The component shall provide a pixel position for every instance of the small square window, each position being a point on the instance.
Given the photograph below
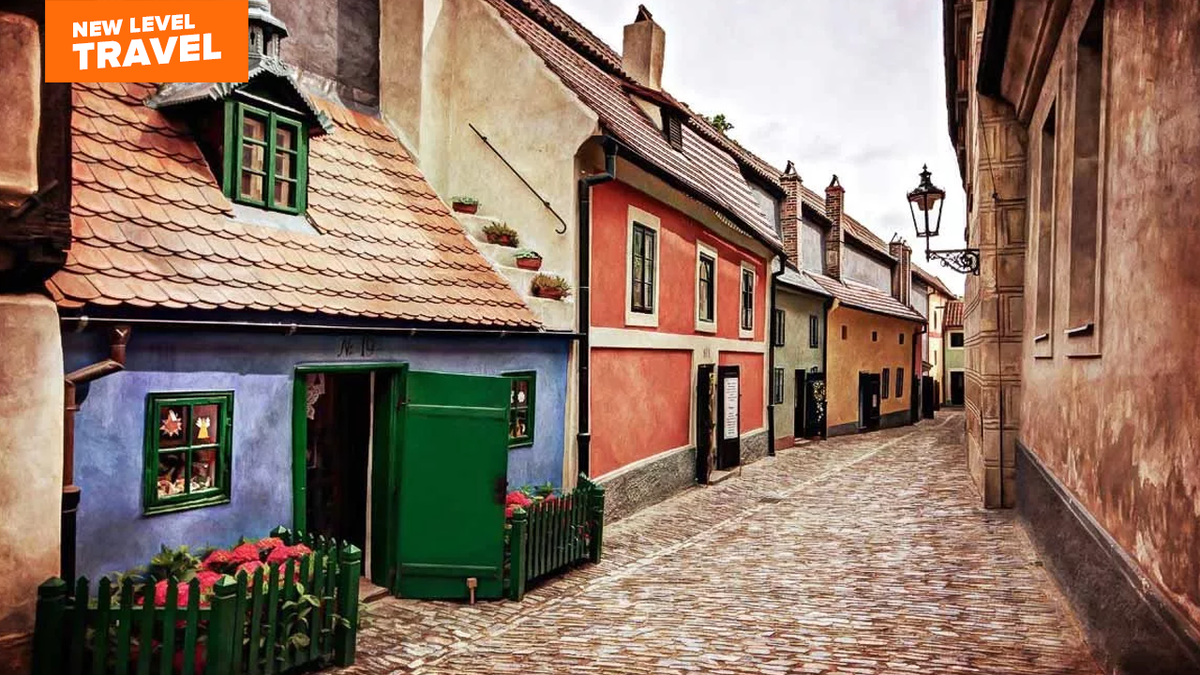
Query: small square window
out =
(521, 408)
(187, 451)
(777, 386)
(956, 340)
(885, 382)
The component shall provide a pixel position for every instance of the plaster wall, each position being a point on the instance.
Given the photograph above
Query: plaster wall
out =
(865, 269)
(934, 341)
(767, 204)
(641, 405)
(113, 533)
(476, 71)
(812, 247)
(919, 298)
(31, 433)
(1113, 416)
(859, 353)
(796, 354)
(955, 358)
(336, 39)
(21, 97)
(751, 403)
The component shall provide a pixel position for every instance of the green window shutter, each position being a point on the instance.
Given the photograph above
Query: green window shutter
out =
(522, 408)
(188, 451)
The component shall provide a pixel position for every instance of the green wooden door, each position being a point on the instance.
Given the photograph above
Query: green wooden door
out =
(453, 463)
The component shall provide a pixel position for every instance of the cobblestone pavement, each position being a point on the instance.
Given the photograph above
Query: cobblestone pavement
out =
(861, 555)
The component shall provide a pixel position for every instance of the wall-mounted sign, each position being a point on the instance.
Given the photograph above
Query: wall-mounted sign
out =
(730, 403)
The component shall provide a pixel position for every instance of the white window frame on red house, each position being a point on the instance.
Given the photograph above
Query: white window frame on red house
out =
(703, 249)
(743, 333)
(651, 221)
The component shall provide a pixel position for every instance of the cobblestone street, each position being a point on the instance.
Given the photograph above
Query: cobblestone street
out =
(863, 554)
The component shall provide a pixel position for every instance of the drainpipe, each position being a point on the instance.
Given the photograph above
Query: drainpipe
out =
(917, 365)
(118, 337)
(584, 305)
(771, 365)
(825, 365)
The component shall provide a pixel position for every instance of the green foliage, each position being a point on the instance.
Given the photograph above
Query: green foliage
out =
(469, 201)
(544, 491)
(501, 233)
(527, 254)
(719, 123)
(177, 563)
(551, 282)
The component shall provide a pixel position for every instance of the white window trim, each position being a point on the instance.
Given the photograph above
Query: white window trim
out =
(701, 325)
(651, 221)
(956, 332)
(742, 332)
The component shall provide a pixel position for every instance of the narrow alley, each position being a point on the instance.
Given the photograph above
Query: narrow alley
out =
(865, 554)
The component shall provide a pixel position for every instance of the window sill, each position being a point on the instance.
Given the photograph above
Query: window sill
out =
(745, 334)
(641, 320)
(517, 445)
(706, 326)
(1085, 330)
(160, 509)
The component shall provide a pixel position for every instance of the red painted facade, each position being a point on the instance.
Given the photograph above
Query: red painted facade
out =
(642, 390)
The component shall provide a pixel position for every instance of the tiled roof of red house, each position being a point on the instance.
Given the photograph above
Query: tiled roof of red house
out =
(954, 314)
(152, 228)
(593, 72)
(861, 296)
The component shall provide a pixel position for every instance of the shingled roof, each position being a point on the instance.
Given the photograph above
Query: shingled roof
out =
(592, 70)
(868, 298)
(954, 314)
(152, 228)
(933, 281)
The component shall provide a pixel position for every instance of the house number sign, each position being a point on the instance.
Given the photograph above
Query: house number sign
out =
(730, 397)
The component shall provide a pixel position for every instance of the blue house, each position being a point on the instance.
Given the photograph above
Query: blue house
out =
(270, 318)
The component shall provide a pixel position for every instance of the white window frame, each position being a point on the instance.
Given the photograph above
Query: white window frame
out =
(651, 221)
(742, 332)
(703, 326)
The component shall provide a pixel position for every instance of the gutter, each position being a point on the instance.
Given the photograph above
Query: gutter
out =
(584, 304)
(118, 337)
(291, 328)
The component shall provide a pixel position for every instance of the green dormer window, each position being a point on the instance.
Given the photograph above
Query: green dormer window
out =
(269, 165)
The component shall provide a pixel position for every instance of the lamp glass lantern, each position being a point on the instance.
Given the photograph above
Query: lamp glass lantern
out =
(925, 198)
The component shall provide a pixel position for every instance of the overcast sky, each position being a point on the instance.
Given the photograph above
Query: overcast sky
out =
(852, 87)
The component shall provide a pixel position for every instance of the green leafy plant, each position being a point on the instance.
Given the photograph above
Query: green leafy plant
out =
(501, 233)
(550, 286)
(719, 123)
(465, 201)
(174, 563)
(527, 254)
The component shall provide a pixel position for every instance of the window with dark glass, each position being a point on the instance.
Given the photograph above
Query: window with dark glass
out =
(747, 300)
(844, 331)
(1084, 224)
(673, 130)
(899, 383)
(902, 338)
(874, 336)
(642, 280)
(707, 291)
(270, 164)
(521, 408)
(778, 328)
(956, 340)
(777, 386)
(187, 446)
(885, 382)
(814, 331)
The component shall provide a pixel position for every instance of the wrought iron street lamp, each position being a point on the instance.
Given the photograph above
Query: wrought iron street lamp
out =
(925, 198)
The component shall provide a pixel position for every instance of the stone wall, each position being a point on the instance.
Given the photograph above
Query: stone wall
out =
(629, 491)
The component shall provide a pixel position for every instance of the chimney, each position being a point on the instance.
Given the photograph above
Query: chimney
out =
(789, 214)
(835, 197)
(20, 82)
(902, 271)
(642, 55)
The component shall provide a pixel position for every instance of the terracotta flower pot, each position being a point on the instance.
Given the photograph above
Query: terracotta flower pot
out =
(549, 293)
(529, 263)
(500, 240)
(465, 208)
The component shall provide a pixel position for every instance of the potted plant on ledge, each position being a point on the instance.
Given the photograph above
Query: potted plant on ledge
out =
(465, 204)
(501, 233)
(528, 259)
(550, 286)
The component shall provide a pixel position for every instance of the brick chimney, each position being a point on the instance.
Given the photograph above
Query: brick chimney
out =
(642, 53)
(901, 271)
(21, 71)
(835, 202)
(789, 213)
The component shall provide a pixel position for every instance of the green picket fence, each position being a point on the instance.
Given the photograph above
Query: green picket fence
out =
(281, 618)
(549, 537)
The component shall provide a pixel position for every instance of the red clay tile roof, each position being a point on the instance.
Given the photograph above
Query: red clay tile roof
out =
(592, 70)
(860, 296)
(153, 230)
(954, 314)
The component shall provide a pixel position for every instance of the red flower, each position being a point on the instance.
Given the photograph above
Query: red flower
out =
(217, 560)
(249, 568)
(160, 594)
(550, 497)
(201, 658)
(268, 543)
(207, 580)
(244, 554)
(508, 511)
(517, 498)
(284, 553)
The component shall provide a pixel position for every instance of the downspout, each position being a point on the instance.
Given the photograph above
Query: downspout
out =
(918, 364)
(584, 305)
(771, 366)
(825, 365)
(118, 337)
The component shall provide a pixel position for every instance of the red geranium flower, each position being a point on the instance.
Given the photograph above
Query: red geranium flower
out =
(517, 498)
(207, 580)
(244, 554)
(217, 560)
(268, 543)
(160, 594)
(249, 568)
(284, 553)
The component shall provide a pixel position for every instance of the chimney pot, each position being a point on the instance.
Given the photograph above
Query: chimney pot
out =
(642, 52)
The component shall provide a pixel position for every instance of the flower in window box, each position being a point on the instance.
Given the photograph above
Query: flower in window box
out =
(501, 234)
(528, 259)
